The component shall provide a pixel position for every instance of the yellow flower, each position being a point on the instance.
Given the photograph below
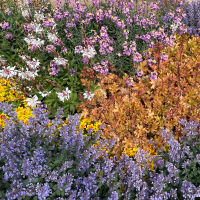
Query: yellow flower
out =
(99, 173)
(152, 152)
(89, 126)
(3, 117)
(23, 114)
(131, 152)
(82, 125)
(151, 164)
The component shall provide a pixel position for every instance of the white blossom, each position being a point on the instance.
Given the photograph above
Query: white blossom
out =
(8, 72)
(89, 52)
(28, 88)
(25, 13)
(64, 94)
(44, 94)
(28, 75)
(33, 64)
(52, 37)
(88, 95)
(37, 28)
(32, 101)
(39, 16)
(60, 61)
(174, 27)
(30, 40)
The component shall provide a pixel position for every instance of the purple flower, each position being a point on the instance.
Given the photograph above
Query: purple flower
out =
(43, 191)
(137, 57)
(139, 73)
(5, 26)
(50, 48)
(153, 76)
(9, 36)
(102, 68)
(72, 72)
(78, 49)
(85, 60)
(130, 82)
(8, 12)
(99, 15)
(28, 28)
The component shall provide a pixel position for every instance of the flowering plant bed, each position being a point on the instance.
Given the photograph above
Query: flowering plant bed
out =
(99, 101)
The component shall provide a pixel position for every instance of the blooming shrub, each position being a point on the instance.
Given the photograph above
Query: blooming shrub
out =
(135, 111)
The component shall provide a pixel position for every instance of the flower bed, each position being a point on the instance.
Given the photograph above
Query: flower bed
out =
(101, 101)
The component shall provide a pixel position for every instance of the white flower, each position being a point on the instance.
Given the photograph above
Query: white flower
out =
(44, 94)
(34, 64)
(8, 72)
(25, 13)
(32, 101)
(89, 52)
(88, 95)
(28, 88)
(28, 75)
(52, 37)
(174, 27)
(25, 57)
(60, 61)
(32, 41)
(1, 59)
(64, 94)
(39, 16)
(38, 29)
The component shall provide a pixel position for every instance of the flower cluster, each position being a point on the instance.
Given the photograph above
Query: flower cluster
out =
(69, 165)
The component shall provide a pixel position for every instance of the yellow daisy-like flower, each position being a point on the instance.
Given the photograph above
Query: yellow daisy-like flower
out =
(7, 94)
(131, 152)
(151, 164)
(89, 126)
(152, 152)
(23, 114)
(3, 117)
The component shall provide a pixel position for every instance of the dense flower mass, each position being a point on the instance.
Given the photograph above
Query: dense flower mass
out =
(54, 59)
(39, 150)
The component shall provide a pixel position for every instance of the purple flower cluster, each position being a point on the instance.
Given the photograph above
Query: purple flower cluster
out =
(50, 48)
(105, 42)
(101, 67)
(54, 68)
(29, 28)
(5, 25)
(9, 36)
(192, 18)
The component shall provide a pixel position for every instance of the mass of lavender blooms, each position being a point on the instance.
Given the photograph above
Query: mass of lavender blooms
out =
(41, 162)
(33, 165)
(192, 19)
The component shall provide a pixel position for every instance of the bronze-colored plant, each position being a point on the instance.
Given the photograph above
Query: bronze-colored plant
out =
(134, 114)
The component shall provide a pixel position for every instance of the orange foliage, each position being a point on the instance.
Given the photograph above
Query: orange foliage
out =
(135, 114)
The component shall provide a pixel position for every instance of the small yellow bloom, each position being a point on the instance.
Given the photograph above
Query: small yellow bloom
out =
(151, 164)
(57, 144)
(3, 117)
(152, 152)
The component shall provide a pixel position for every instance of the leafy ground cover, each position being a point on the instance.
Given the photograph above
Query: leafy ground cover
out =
(99, 101)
